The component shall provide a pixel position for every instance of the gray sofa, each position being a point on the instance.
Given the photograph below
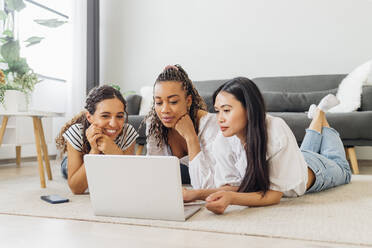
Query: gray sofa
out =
(289, 98)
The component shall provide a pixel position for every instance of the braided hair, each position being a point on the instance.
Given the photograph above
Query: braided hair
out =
(95, 96)
(178, 74)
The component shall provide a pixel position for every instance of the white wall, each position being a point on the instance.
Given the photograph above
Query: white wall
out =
(217, 39)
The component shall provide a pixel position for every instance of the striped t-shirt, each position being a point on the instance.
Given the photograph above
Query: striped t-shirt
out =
(74, 136)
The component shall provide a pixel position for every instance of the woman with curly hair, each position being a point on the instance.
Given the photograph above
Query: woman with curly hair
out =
(100, 129)
(179, 125)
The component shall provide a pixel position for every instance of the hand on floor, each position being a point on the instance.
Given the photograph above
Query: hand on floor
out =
(218, 202)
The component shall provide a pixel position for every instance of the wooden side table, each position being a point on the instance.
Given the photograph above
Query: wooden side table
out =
(41, 146)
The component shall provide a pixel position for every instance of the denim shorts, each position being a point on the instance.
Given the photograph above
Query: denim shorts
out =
(325, 155)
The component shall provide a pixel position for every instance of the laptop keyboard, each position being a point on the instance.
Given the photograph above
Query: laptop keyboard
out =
(190, 210)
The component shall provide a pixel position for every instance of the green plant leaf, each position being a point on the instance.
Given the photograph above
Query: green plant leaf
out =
(19, 66)
(16, 5)
(10, 51)
(6, 72)
(3, 15)
(8, 33)
(3, 40)
(115, 86)
(51, 23)
(33, 40)
(127, 93)
(26, 82)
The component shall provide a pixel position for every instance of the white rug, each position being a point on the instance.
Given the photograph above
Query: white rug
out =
(341, 215)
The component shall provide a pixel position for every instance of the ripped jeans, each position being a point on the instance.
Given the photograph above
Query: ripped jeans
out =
(325, 155)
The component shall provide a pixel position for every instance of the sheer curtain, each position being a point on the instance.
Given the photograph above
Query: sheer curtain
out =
(77, 84)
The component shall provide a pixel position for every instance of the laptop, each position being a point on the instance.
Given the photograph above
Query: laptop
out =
(147, 187)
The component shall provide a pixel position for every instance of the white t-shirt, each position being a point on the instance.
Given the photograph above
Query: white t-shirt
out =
(287, 166)
(201, 168)
(74, 135)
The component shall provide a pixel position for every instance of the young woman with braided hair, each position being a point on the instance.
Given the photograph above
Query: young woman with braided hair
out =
(179, 125)
(100, 129)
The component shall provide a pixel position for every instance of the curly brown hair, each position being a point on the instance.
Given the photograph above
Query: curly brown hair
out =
(178, 74)
(95, 96)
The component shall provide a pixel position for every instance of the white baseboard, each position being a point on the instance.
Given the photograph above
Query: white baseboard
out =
(364, 152)
(29, 150)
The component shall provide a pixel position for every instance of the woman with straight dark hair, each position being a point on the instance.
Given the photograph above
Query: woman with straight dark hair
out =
(264, 162)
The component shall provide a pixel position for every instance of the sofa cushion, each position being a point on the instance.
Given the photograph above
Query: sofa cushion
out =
(133, 104)
(208, 87)
(293, 101)
(299, 83)
(366, 104)
(288, 101)
(353, 126)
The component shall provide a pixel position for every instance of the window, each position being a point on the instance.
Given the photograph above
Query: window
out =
(52, 56)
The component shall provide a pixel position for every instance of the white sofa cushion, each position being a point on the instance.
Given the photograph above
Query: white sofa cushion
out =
(350, 89)
(146, 101)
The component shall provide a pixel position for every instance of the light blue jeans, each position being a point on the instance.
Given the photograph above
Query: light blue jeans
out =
(325, 155)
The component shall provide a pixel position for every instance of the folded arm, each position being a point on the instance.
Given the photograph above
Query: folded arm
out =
(219, 201)
(77, 178)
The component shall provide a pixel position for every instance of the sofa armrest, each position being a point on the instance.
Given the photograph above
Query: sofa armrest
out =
(366, 101)
(133, 104)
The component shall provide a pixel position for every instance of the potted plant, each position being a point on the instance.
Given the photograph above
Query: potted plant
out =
(17, 79)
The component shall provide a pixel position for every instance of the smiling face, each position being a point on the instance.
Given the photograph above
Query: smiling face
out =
(171, 102)
(109, 116)
(231, 115)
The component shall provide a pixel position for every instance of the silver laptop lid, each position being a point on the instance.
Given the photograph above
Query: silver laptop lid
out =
(135, 186)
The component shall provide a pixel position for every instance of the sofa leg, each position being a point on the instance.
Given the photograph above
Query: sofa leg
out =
(350, 154)
(139, 150)
(18, 156)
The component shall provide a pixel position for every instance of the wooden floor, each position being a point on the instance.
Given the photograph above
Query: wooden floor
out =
(23, 231)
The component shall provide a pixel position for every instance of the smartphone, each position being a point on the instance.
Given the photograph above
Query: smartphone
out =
(54, 199)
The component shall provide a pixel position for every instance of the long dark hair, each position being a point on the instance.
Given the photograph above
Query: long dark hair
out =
(256, 178)
(95, 96)
(178, 74)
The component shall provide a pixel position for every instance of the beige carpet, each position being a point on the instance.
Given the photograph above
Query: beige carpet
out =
(341, 215)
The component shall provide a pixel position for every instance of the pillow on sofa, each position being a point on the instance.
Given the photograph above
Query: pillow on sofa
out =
(369, 79)
(350, 89)
(293, 101)
(146, 101)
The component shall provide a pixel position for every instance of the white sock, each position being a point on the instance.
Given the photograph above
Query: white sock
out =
(328, 102)
(311, 112)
